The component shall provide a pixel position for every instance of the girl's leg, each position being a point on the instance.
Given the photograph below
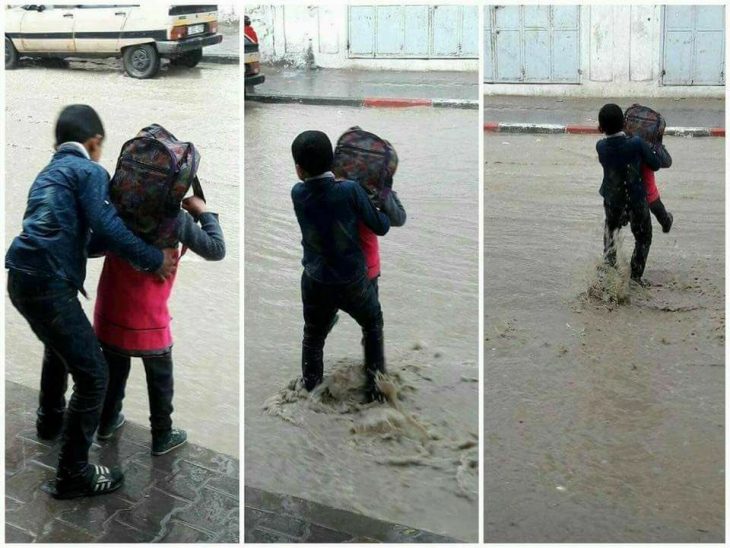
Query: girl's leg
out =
(158, 370)
(119, 367)
(662, 215)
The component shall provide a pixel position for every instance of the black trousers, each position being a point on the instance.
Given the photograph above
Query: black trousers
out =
(52, 308)
(158, 370)
(321, 303)
(640, 221)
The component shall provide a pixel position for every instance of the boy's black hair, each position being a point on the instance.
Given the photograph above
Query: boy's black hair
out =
(312, 151)
(611, 119)
(78, 123)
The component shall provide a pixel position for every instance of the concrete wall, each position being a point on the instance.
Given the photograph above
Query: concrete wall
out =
(318, 35)
(620, 55)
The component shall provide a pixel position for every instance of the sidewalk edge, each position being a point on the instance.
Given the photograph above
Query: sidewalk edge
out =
(577, 129)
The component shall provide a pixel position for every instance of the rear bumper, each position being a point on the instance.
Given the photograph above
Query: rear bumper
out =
(255, 80)
(172, 48)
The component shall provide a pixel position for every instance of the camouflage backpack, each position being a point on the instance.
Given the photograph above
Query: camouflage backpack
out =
(367, 159)
(153, 174)
(644, 122)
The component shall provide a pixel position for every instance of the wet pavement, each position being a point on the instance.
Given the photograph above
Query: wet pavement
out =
(205, 300)
(188, 495)
(681, 112)
(279, 518)
(369, 83)
(604, 422)
(230, 47)
(413, 462)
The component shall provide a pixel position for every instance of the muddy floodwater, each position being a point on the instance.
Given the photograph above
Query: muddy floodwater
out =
(604, 421)
(200, 105)
(412, 461)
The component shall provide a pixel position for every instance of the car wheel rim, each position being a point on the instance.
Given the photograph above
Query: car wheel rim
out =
(140, 60)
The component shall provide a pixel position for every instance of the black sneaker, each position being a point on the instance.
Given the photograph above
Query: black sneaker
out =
(667, 226)
(107, 431)
(95, 480)
(47, 428)
(164, 443)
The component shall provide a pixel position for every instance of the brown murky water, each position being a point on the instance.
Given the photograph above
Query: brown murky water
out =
(205, 300)
(413, 461)
(603, 422)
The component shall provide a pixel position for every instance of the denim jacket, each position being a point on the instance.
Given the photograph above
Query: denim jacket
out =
(621, 157)
(328, 213)
(67, 201)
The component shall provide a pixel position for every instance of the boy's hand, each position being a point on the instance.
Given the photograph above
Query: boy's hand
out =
(169, 263)
(194, 205)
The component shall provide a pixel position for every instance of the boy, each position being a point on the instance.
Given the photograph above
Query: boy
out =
(335, 274)
(47, 267)
(622, 187)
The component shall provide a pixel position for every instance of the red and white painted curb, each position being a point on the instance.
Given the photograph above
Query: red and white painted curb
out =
(576, 129)
(370, 102)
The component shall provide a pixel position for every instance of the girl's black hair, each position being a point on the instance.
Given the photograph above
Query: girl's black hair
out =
(78, 123)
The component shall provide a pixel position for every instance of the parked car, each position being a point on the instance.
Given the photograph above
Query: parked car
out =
(251, 56)
(141, 34)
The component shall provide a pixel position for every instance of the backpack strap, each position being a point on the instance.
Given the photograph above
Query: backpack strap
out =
(198, 189)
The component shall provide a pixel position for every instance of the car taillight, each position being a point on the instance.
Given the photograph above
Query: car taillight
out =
(178, 33)
(213, 27)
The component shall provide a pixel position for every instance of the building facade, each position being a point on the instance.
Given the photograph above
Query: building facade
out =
(392, 37)
(602, 50)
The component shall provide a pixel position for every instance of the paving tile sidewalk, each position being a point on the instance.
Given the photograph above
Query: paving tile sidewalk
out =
(271, 517)
(369, 83)
(684, 112)
(189, 495)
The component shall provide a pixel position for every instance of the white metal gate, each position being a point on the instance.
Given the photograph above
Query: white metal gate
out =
(532, 44)
(694, 45)
(419, 32)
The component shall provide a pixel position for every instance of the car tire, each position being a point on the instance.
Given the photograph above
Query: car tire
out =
(189, 59)
(11, 54)
(141, 61)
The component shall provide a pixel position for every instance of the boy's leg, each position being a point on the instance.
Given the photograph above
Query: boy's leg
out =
(54, 312)
(52, 397)
(611, 226)
(641, 229)
(361, 301)
(662, 215)
(111, 418)
(319, 316)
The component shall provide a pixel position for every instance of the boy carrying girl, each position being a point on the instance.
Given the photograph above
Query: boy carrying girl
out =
(623, 188)
(335, 273)
(68, 201)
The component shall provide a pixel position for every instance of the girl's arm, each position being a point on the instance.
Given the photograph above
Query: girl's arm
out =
(394, 209)
(205, 240)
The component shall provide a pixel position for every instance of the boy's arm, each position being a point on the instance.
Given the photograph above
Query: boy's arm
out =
(648, 156)
(665, 160)
(93, 196)
(205, 240)
(393, 208)
(375, 220)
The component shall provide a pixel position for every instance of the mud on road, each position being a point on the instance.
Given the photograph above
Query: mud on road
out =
(603, 422)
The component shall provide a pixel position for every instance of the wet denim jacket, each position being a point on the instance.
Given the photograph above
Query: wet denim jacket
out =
(621, 157)
(328, 213)
(68, 200)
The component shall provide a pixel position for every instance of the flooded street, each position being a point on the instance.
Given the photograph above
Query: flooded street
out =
(603, 422)
(412, 462)
(199, 105)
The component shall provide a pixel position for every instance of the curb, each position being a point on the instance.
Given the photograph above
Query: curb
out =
(370, 102)
(575, 129)
(222, 59)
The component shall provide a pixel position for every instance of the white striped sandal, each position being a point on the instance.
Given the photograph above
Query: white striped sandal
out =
(95, 480)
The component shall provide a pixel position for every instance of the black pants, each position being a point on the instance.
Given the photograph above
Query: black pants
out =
(158, 370)
(52, 308)
(640, 221)
(321, 303)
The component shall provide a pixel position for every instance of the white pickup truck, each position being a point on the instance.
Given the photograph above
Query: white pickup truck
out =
(141, 34)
